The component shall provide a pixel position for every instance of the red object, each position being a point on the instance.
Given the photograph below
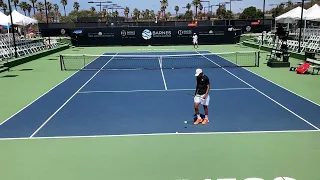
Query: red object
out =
(303, 68)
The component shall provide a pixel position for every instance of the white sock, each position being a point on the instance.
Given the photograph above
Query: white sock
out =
(198, 116)
(206, 116)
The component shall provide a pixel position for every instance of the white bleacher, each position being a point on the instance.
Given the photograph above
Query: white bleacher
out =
(23, 46)
(310, 40)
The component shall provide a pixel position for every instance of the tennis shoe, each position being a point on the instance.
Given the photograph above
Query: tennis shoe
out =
(199, 120)
(205, 121)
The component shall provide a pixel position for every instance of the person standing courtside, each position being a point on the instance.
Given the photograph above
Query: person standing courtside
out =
(195, 40)
(201, 95)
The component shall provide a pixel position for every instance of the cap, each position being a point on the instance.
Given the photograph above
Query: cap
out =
(198, 71)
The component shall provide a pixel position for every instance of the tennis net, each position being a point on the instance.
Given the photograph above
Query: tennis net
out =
(138, 62)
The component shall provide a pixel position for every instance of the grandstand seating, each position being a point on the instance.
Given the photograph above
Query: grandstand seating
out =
(24, 46)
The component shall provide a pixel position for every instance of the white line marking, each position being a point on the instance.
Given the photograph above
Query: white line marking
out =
(160, 90)
(264, 95)
(164, 80)
(71, 97)
(43, 95)
(162, 134)
(276, 83)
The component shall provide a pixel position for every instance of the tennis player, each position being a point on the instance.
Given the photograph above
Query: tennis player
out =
(201, 96)
(195, 40)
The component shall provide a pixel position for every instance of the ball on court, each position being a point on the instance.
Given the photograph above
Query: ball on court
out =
(186, 122)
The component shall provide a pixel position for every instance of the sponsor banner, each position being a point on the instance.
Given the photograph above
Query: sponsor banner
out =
(101, 34)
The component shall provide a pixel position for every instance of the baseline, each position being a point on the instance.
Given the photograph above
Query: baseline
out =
(161, 134)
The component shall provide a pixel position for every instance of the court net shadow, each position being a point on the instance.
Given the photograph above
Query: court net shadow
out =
(9, 76)
(26, 70)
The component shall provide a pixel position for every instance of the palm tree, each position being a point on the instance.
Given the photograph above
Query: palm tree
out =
(76, 6)
(56, 10)
(64, 4)
(196, 3)
(126, 12)
(115, 14)
(49, 6)
(136, 13)
(40, 7)
(164, 5)
(104, 13)
(188, 6)
(147, 13)
(15, 2)
(29, 8)
(33, 2)
(4, 7)
(176, 8)
(152, 14)
(92, 10)
(23, 5)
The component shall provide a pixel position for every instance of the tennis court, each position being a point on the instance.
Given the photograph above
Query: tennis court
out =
(137, 94)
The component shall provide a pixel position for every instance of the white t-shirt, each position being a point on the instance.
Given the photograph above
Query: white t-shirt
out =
(195, 38)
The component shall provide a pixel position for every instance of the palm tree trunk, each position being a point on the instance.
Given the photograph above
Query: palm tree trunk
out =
(65, 13)
(34, 9)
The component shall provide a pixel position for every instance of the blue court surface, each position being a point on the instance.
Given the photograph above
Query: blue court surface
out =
(128, 102)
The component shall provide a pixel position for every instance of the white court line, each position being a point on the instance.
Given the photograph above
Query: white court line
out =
(160, 90)
(264, 94)
(164, 80)
(43, 94)
(71, 97)
(160, 134)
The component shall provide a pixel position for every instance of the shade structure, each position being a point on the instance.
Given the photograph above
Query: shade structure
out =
(312, 13)
(291, 16)
(4, 19)
(21, 20)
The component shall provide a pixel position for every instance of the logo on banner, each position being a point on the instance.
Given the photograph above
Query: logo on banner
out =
(146, 34)
(184, 32)
(123, 33)
(248, 28)
(63, 31)
(128, 33)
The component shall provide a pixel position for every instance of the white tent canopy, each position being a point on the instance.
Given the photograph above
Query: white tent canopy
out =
(21, 20)
(4, 20)
(290, 16)
(312, 13)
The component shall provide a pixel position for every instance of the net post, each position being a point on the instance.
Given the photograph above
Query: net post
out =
(61, 59)
(258, 60)
(237, 59)
(84, 61)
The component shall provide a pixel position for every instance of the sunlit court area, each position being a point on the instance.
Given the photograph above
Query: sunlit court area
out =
(160, 90)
